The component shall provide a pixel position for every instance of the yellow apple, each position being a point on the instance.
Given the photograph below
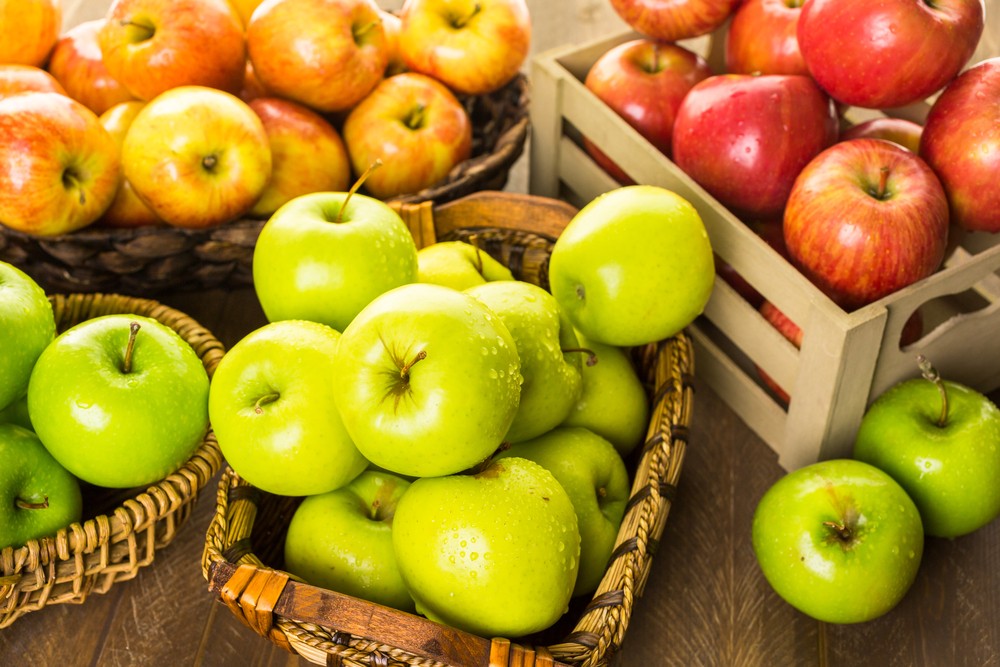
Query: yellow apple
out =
(392, 25)
(16, 79)
(127, 210)
(77, 64)
(28, 30)
(245, 8)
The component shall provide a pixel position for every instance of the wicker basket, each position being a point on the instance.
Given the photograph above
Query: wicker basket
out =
(243, 548)
(152, 260)
(121, 529)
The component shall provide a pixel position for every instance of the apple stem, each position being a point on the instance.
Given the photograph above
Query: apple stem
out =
(602, 492)
(70, 180)
(357, 184)
(591, 355)
(133, 330)
(258, 407)
(28, 505)
(210, 162)
(883, 180)
(931, 375)
(141, 31)
(404, 371)
(415, 119)
(461, 21)
(363, 30)
(840, 530)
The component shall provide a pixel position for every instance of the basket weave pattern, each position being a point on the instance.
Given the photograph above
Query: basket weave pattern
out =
(129, 525)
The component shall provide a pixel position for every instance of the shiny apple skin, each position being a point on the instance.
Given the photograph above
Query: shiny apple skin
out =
(762, 38)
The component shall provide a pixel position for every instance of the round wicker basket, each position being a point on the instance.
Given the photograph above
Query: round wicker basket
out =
(152, 260)
(121, 529)
(242, 558)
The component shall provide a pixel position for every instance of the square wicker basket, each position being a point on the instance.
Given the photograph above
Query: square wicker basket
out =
(244, 542)
(122, 529)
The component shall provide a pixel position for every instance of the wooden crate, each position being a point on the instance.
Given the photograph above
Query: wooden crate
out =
(847, 358)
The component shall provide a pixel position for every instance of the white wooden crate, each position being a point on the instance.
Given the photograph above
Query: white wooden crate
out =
(847, 358)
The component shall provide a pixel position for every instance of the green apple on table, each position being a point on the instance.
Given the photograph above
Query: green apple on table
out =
(27, 326)
(431, 380)
(550, 354)
(37, 495)
(458, 265)
(941, 441)
(342, 540)
(839, 540)
(272, 407)
(324, 256)
(594, 476)
(494, 553)
(633, 266)
(119, 400)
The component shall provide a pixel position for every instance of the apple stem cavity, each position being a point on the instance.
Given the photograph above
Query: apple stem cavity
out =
(28, 505)
(133, 330)
(415, 119)
(931, 375)
(138, 32)
(841, 531)
(591, 355)
(258, 407)
(883, 180)
(360, 32)
(459, 22)
(71, 180)
(357, 185)
(404, 370)
(210, 162)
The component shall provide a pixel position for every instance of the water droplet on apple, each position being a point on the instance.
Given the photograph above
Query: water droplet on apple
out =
(561, 547)
(493, 350)
(484, 351)
(912, 554)
(493, 374)
(895, 551)
(473, 574)
(473, 556)
(502, 374)
(463, 544)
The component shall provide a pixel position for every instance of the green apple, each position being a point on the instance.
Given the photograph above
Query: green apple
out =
(614, 403)
(432, 380)
(633, 266)
(594, 476)
(321, 259)
(271, 405)
(37, 495)
(839, 540)
(119, 400)
(459, 265)
(941, 441)
(495, 553)
(27, 326)
(17, 413)
(548, 349)
(342, 540)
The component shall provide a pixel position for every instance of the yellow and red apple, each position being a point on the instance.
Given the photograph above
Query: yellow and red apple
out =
(28, 30)
(127, 210)
(78, 65)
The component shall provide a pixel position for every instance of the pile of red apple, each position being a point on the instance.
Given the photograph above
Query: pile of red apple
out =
(194, 113)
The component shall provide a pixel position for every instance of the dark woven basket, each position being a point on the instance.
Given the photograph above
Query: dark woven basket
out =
(121, 529)
(242, 559)
(153, 260)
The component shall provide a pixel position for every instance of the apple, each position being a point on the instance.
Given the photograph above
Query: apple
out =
(39, 495)
(28, 30)
(904, 132)
(252, 87)
(672, 20)
(325, 256)
(472, 46)
(550, 354)
(889, 54)
(392, 25)
(961, 143)
(77, 63)
(342, 540)
(307, 154)
(613, 403)
(941, 441)
(633, 266)
(197, 156)
(272, 407)
(27, 326)
(127, 209)
(416, 126)
(245, 8)
(16, 79)
(151, 46)
(745, 138)
(594, 476)
(839, 540)
(60, 167)
(432, 380)
(17, 413)
(644, 82)
(119, 400)
(458, 265)
(325, 54)
(762, 38)
(495, 553)
(866, 218)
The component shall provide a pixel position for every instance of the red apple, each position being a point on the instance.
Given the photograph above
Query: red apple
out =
(15, 79)
(415, 126)
(961, 142)
(671, 20)
(393, 26)
(151, 46)
(326, 54)
(59, 168)
(745, 138)
(473, 46)
(307, 154)
(904, 132)
(771, 232)
(127, 210)
(761, 38)
(865, 218)
(28, 30)
(644, 82)
(78, 65)
(890, 53)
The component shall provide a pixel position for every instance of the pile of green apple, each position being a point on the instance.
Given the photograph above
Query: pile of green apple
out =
(459, 436)
(116, 401)
(193, 113)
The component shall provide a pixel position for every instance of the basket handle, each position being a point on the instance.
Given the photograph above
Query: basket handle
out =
(255, 594)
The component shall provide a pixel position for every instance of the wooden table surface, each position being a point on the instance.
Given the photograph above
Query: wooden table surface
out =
(706, 602)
